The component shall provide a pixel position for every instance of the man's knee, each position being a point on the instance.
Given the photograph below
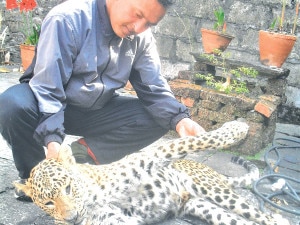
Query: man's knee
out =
(16, 102)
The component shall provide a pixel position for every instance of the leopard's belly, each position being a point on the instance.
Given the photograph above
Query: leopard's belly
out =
(150, 197)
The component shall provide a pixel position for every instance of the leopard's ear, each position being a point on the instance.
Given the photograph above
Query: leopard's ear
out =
(65, 155)
(26, 188)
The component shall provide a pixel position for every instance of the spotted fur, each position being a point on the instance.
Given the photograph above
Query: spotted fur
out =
(145, 187)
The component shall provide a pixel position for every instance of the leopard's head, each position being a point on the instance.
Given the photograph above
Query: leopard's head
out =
(56, 187)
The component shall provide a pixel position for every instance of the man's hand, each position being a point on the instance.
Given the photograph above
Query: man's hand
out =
(188, 127)
(52, 150)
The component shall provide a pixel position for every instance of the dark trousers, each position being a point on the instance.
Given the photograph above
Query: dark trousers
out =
(120, 128)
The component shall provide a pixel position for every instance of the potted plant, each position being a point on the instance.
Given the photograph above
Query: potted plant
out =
(231, 78)
(30, 29)
(276, 44)
(216, 38)
(27, 49)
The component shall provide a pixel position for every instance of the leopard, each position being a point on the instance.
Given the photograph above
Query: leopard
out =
(148, 186)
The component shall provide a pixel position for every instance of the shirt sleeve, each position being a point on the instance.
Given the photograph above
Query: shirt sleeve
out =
(55, 54)
(153, 89)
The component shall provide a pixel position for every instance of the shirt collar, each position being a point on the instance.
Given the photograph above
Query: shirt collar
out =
(104, 18)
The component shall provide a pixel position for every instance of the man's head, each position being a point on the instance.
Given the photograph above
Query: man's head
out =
(131, 17)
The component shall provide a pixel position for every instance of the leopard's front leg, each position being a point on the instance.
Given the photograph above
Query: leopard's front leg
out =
(113, 215)
(120, 220)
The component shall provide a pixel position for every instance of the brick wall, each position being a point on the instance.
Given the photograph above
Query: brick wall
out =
(211, 109)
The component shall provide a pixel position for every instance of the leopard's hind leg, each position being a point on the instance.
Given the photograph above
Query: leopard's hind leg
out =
(213, 186)
(212, 213)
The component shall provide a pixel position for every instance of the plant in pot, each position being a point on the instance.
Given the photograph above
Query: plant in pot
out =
(230, 79)
(216, 38)
(276, 44)
(30, 29)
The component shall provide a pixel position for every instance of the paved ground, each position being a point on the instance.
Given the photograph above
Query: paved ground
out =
(13, 212)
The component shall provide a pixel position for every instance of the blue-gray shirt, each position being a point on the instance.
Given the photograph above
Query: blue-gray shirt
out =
(81, 62)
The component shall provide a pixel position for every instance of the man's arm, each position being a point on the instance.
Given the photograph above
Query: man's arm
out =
(155, 93)
(52, 71)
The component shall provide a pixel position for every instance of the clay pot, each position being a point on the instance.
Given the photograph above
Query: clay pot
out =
(27, 54)
(212, 40)
(274, 48)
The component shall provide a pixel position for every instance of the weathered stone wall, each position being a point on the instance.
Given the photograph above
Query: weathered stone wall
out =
(178, 34)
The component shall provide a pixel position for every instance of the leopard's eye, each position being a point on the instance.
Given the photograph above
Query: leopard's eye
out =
(49, 204)
(68, 189)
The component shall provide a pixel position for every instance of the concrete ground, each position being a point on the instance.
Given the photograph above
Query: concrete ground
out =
(13, 212)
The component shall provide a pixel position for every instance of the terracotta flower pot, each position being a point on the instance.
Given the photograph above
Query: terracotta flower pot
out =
(27, 54)
(274, 48)
(212, 40)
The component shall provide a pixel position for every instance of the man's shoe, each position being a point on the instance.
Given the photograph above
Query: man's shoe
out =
(20, 195)
(82, 152)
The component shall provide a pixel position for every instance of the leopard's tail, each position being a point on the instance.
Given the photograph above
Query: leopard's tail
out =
(247, 179)
(226, 136)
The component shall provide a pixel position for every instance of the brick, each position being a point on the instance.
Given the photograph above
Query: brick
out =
(206, 104)
(189, 102)
(229, 109)
(265, 108)
(185, 88)
(215, 117)
(240, 101)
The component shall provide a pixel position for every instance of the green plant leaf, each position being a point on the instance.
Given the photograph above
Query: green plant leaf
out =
(33, 38)
(220, 17)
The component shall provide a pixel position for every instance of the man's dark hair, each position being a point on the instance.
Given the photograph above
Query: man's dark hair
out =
(166, 3)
